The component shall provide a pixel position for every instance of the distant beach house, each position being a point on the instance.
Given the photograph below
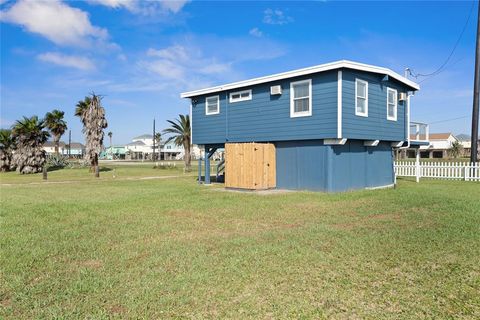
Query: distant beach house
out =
(332, 127)
(76, 150)
(439, 146)
(115, 152)
(141, 148)
(466, 142)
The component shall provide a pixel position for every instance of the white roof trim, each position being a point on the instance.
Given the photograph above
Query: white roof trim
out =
(301, 72)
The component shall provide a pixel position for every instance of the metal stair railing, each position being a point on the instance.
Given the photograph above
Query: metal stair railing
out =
(220, 168)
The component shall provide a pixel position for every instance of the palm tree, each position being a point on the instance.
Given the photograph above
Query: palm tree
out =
(110, 134)
(180, 128)
(456, 149)
(29, 134)
(158, 139)
(7, 144)
(81, 107)
(56, 125)
(92, 116)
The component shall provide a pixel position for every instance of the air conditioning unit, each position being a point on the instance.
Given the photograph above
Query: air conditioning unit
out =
(402, 96)
(274, 90)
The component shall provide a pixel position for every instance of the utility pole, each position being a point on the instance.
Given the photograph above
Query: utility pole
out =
(476, 84)
(153, 152)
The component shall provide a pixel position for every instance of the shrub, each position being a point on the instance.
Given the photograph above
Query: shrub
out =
(164, 165)
(56, 161)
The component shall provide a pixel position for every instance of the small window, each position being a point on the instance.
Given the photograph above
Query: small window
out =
(391, 104)
(241, 96)
(301, 98)
(361, 98)
(212, 105)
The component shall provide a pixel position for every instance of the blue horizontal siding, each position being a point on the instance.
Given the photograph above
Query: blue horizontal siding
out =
(375, 126)
(302, 165)
(266, 117)
(311, 165)
(355, 166)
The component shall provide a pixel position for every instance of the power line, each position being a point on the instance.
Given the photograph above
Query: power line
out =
(447, 120)
(451, 65)
(440, 69)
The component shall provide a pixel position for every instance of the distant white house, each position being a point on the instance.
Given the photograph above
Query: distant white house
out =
(466, 142)
(141, 148)
(439, 145)
(76, 150)
(49, 147)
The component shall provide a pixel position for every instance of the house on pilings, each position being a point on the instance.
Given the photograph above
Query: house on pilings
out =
(332, 127)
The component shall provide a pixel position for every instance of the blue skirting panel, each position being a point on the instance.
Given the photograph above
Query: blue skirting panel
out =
(311, 165)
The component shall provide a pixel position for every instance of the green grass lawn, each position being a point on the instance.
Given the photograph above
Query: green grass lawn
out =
(168, 248)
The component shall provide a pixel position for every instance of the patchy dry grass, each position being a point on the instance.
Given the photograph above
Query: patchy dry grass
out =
(168, 248)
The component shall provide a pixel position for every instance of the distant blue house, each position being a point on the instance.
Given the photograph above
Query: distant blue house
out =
(334, 126)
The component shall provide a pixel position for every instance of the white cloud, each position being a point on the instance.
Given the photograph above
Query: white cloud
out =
(175, 52)
(122, 57)
(144, 7)
(166, 69)
(256, 32)
(78, 62)
(180, 63)
(174, 5)
(116, 4)
(215, 68)
(276, 16)
(56, 21)
(196, 62)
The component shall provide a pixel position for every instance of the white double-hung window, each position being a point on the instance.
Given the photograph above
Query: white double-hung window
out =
(391, 104)
(361, 98)
(212, 105)
(240, 96)
(301, 98)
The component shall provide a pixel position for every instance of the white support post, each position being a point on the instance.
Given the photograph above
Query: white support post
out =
(417, 164)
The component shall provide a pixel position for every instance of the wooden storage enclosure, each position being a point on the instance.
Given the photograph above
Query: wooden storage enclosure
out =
(250, 166)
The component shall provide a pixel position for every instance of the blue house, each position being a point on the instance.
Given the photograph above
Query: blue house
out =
(334, 126)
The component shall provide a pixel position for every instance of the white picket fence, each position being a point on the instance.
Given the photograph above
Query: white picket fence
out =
(438, 170)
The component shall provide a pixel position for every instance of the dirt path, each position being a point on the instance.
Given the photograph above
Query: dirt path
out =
(99, 180)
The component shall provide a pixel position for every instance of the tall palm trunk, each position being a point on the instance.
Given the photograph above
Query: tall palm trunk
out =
(188, 158)
(92, 115)
(180, 128)
(56, 141)
(56, 125)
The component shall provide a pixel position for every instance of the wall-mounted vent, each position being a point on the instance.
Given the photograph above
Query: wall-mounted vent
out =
(402, 96)
(274, 90)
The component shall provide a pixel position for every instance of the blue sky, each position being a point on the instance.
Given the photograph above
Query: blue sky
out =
(141, 55)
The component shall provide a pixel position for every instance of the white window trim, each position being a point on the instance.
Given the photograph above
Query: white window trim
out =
(206, 105)
(361, 114)
(308, 113)
(240, 93)
(394, 118)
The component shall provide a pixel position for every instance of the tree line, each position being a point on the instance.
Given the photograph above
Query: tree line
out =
(21, 147)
